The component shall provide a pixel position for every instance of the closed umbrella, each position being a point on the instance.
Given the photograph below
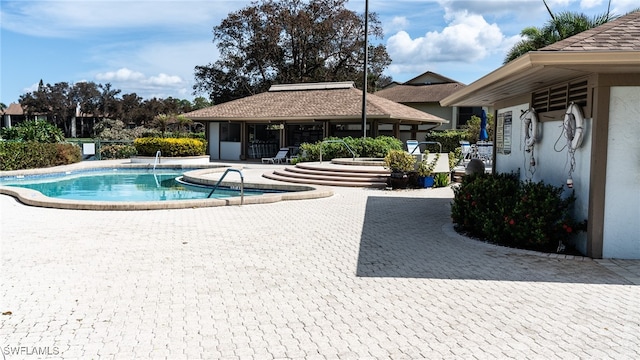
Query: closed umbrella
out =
(483, 127)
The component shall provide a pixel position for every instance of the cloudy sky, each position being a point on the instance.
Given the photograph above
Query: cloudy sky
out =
(151, 47)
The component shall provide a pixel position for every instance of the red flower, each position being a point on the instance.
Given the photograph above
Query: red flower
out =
(511, 222)
(569, 229)
(473, 203)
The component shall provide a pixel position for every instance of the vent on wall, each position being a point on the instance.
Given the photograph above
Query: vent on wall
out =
(558, 97)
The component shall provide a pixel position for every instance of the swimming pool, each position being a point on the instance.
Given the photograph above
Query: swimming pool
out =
(122, 185)
(199, 182)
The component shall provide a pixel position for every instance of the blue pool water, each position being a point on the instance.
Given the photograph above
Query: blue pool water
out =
(119, 185)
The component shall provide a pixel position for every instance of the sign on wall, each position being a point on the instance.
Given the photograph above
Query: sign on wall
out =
(503, 132)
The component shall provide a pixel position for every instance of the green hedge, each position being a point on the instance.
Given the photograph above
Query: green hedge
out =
(450, 139)
(29, 155)
(170, 147)
(504, 210)
(363, 147)
(117, 151)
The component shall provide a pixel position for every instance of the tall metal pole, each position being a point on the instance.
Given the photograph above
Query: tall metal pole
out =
(366, 61)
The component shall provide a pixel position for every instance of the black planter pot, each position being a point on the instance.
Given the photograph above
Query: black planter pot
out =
(398, 180)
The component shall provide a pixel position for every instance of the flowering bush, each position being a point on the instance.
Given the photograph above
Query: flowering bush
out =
(170, 146)
(504, 210)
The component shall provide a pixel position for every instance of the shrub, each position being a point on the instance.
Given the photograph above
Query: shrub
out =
(29, 155)
(108, 129)
(170, 146)
(504, 210)
(33, 130)
(117, 151)
(450, 139)
(363, 147)
(399, 161)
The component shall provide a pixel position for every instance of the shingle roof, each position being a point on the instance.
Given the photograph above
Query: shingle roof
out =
(342, 103)
(419, 93)
(14, 109)
(620, 34)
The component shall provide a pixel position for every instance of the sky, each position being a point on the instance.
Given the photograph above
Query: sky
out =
(150, 47)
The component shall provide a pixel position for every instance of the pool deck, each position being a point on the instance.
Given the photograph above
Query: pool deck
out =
(362, 274)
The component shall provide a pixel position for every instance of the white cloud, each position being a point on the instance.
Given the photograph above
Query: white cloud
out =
(164, 79)
(76, 18)
(161, 85)
(466, 38)
(396, 24)
(123, 74)
(588, 4)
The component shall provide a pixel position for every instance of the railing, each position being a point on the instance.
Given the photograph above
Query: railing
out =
(157, 160)
(241, 184)
(425, 142)
(353, 154)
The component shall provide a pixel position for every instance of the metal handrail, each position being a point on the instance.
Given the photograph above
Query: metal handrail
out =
(241, 184)
(425, 142)
(337, 141)
(157, 160)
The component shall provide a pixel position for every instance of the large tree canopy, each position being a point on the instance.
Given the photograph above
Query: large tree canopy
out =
(290, 41)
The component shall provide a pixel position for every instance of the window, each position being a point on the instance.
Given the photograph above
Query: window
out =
(230, 132)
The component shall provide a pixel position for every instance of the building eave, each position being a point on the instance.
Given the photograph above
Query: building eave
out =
(537, 69)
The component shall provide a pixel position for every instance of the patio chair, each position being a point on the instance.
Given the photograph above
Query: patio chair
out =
(467, 151)
(279, 158)
(485, 151)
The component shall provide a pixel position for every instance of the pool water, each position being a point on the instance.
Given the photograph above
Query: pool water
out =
(119, 185)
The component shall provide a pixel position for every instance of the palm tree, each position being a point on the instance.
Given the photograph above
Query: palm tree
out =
(560, 26)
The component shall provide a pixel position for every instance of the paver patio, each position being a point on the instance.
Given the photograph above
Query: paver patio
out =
(361, 274)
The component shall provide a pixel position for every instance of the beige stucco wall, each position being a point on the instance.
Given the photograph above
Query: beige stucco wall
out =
(621, 235)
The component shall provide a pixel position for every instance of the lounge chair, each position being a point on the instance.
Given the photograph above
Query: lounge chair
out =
(467, 151)
(279, 158)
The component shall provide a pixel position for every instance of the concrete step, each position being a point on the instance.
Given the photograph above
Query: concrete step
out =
(290, 172)
(327, 172)
(331, 181)
(340, 168)
(332, 174)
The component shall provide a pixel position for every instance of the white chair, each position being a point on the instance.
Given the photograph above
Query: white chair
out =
(279, 158)
(485, 151)
(467, 151)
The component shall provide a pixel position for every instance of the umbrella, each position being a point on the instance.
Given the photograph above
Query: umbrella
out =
(483, 126)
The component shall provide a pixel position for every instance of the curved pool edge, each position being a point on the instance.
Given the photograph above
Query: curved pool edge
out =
(35, 198)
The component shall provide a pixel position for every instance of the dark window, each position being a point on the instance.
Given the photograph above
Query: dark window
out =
(230, 132)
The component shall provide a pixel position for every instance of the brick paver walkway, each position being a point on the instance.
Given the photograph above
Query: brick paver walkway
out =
(362, 274)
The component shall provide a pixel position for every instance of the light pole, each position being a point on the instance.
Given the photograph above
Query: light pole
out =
(366, 61)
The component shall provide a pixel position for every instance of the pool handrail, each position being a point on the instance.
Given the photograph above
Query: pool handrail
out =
(157, 160)
(337, 141)
(426, 142)
(241, 184)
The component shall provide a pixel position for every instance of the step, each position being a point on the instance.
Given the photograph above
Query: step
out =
(336, 182)
(329, 177)
(330, 167)
(328, 172)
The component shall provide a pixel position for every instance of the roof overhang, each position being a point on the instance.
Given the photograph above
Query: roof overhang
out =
(336, 119)
(538, 69)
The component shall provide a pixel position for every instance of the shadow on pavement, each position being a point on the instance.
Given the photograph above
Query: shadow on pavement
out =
(404, 238)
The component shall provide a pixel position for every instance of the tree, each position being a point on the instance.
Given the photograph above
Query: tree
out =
(560, 26)
(289, 41)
